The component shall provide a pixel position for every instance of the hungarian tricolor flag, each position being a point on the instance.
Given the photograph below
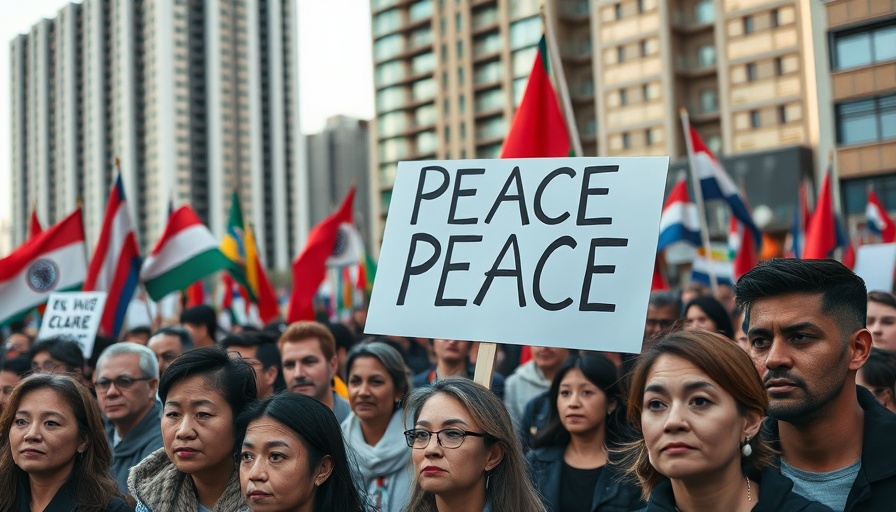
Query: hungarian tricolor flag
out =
(310, 268)
(538, 129)
(186, 253)
(53, 261)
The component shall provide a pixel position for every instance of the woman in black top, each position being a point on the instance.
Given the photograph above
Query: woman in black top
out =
(569, 462)
(53, 451)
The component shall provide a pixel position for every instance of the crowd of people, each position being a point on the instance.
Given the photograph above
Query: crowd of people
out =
(775, 395)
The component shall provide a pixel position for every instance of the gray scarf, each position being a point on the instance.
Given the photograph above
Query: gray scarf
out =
(383, 469)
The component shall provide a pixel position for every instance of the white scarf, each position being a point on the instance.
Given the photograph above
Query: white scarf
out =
(383, 465)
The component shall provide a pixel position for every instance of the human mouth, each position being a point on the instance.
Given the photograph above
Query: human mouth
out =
(780, 386)
(257, 495)
(186, 453)
(30, 452)
(676, 448)
(432, 471)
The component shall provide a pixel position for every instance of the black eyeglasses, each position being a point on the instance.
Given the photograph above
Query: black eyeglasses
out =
(120, 383)
(418, 438)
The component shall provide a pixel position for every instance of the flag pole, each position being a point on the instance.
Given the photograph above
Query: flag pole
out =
(698, 195)
(139, 283)
(555, 65)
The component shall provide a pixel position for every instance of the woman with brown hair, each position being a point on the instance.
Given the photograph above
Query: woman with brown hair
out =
(699, 404)
(53, 450)
(466, 457)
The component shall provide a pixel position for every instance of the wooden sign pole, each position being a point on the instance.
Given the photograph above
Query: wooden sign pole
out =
(485, 364)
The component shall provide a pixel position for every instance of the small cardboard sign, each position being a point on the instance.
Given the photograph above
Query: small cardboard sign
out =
(874, 264)
(74, 314)
(549, 251)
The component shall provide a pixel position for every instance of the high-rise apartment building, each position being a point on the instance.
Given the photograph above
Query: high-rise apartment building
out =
(858, 38)
(338, 158)
(196, 98)
(449, 74)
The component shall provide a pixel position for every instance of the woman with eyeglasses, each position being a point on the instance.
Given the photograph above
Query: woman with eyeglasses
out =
(570, 456)
(466, 457)
(53, 453)
(377, 381)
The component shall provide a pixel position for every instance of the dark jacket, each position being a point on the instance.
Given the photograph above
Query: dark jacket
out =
(424, 379)
(136, 446)
(535, 418)
(611, 494)
(875, 486)
(775, 495)
(63, 501)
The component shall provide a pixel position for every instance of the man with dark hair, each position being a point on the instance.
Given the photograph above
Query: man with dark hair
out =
(202, 324)
(17, 344)
(663, 310)
(139, 335)
(168, 343)
(262, 355)
(805, 320)
(453, 360)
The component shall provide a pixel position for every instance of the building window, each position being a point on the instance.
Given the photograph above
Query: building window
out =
(748, 24)
(706, 55)
(648, 136)
(623, 97)
(709, 101)
(752, 74)
(782, 114)
(620, 54)
(644, 48)
(869, 46)
(755, 121)
(779, 66)
(617, 9)
(866, 120)
(626, 140)
(645, 92)
(641, 7)
(775, 18)
(705, 11)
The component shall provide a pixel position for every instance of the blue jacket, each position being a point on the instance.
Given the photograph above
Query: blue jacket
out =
(611, 494)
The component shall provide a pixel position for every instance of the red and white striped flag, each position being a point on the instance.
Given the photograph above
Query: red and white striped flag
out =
(115, 266)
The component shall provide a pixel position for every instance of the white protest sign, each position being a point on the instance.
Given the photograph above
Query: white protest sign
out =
(552, 252)
(874, 264)
(74, 314)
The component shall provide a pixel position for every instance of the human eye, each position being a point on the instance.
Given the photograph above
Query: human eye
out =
(276, 456)
(701, 401)
(801, 337)
(453, 433)
(20, 422)
(564, 392)
(246, 456)
(419, 435)
(124, 382)
(203, 415)
(655, 405)
(289, 365)
(172, 414)
(51, 423)
(759, 343)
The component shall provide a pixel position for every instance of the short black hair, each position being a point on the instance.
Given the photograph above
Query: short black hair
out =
(178, 332)
(715, 311)
(140, 330)
(879, 369)
(665, 299)
(885, 298)
(266, 352)
(61, 348)
(201, 315)
(20, 365)
(843, 293)
(344, 337)
(233, 378)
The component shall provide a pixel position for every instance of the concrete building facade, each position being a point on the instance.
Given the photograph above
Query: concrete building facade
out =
(194, 98)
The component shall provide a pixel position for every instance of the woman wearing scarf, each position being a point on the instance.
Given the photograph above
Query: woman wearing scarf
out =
(374, 431)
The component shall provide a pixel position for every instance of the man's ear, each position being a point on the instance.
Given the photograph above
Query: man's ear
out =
(859, 348)
(270, 374)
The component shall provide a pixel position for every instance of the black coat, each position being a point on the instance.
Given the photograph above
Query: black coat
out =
(611, 494)
(775, 495)
(874, 489)
(63, 501)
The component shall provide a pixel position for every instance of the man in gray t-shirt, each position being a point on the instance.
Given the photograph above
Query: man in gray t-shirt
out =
(805, 321)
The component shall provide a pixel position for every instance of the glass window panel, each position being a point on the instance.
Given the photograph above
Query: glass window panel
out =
(427, 142)
(486, 73)
(491, 127)
(857, 122)
(485, 17)
(392, 150)
(391, 124)
(490, 100)
(520, 8)
(853, 50)
(424, 89)
(386, 22)
(486, 45)
(390, 72)
(888, 117)
(388, 47)
(425, 63)
(525, 32)
(706, 55)
(519, 87)
(421, 37)
(420, 10)
(425, 115)
(885, 44)
(391, 98)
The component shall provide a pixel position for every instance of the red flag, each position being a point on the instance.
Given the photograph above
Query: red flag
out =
(538, 128)
(821, 233)
(849, 257)
(659, 282)
(195, 294)
(34, 227)
(310, 267)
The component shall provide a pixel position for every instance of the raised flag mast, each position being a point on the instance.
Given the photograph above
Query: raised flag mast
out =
(698, 196)
(555, 64)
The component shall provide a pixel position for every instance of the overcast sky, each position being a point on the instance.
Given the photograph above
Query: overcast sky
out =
(335, 70)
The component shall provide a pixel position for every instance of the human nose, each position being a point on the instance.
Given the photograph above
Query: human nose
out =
(185, 428)
(778, 356)
(33, 432)
(433, 446)
(257, 472)
(676, 418)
